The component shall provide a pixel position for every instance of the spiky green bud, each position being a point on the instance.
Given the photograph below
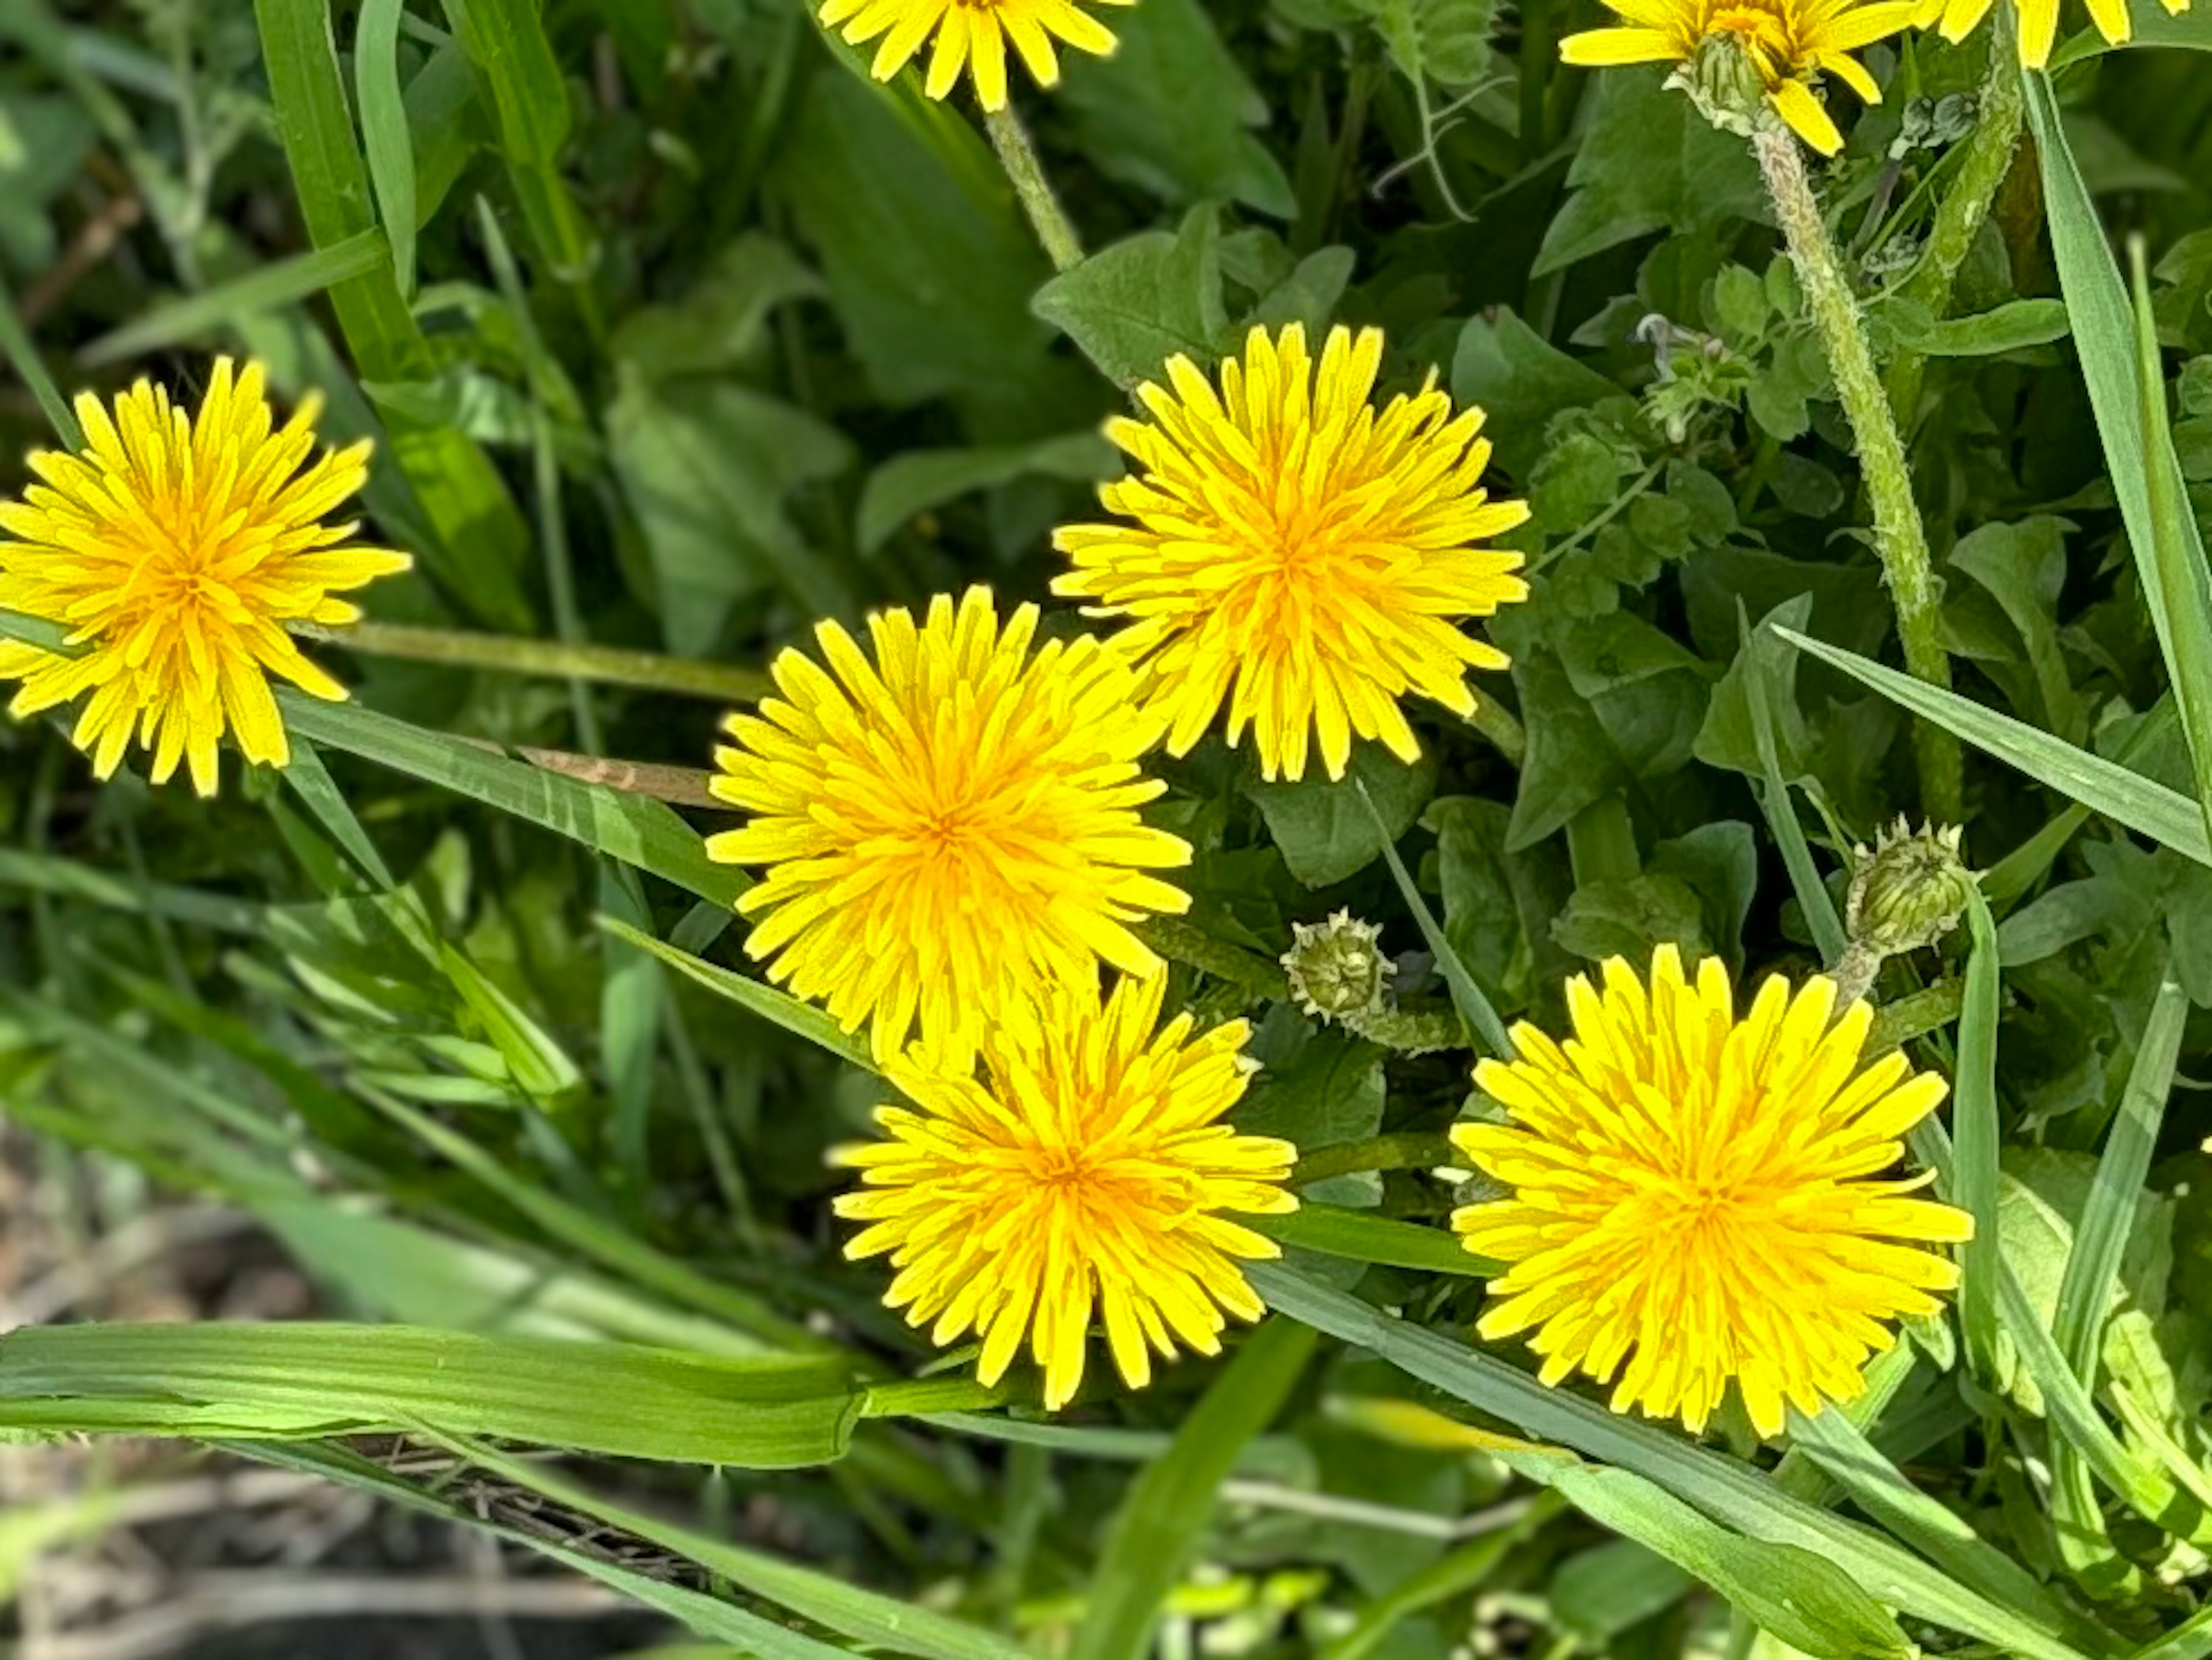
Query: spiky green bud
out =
(1725, 85)
(1907, 890)
(1336, 972)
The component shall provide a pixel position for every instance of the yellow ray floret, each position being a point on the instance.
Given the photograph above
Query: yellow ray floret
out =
(971, 33)
(1702, 1198)
(1787, 42)
(1085, 1173)
(2037, 22)
(173, 551)
(947, 825)
(1297, 552)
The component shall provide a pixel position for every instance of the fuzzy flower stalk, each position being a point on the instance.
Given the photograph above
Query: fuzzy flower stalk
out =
(946, 822)
(1749, 65)
(1085, 1175)
(1698, 1200)
(173, 551)
(1296, 552)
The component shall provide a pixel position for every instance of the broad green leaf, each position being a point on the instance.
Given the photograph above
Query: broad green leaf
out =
(1135, 304)
(913, 483)
(1151, 1536)
(2165, 816)
(633, 829)
(1649, 161)
(1321, 828)
(1520, 382)
(315, 1379)
(1172, 112)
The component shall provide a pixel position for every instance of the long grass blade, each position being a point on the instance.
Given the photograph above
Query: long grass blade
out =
(1973, 1174)
(2165, 816)
(279, 283)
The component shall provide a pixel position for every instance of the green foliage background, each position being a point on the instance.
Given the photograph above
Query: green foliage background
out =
(677, 333)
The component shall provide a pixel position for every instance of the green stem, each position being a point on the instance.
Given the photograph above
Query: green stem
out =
(1408, 1030)
(1898, 536)
(557, 659)
(1407, 1150)
(1182, 942)
(1018, 157)
(1965, 208)
(1496, 723)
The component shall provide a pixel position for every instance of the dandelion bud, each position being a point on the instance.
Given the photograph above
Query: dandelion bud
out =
(1908, 890)
(1336, 972)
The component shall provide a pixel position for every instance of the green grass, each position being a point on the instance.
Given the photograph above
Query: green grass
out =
(676, 332)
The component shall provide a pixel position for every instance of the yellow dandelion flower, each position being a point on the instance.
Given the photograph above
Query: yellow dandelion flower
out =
(973, 33)
(948, 827)
(1297, 552)
(173, 551)
(2037, 22)
(1786, 43)
(1086, 1171)
(1702, 1190)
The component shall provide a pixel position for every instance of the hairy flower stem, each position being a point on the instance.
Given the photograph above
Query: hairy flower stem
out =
(1018, 157)
(1898, 536)
(1965, 208)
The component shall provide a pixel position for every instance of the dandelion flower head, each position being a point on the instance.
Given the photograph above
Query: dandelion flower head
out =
(970, 33)
(1702, 1198)
(1786, 44)
(2037, 21)
(947, 822)
(1085, 1172)
(1297, 552)
(172, 550)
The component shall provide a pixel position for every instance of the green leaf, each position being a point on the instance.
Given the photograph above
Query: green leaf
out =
(633, 829)
(315, 1379)
(865, 1616)
(1324, 832)
(778, 1007)
(1157, 1527)
(1729, 1491)
(929, 267)
(2023, 567)
(281, 282)
(520, 82)
(1133, 305)
(709, 467)
(385, 135)
(1801, 1597)
(1478, 1018)
(2120, 360)
(1360, 1237)
(708, 1617)
(1520, 382)
(1649, 161)
(2165, 816)
(2014, 326)
(911, 483)
(1447, 41)
(1973, 1173)
(1171, 112)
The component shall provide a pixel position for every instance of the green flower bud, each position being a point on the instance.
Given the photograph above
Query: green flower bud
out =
(1336, 972)
(1725, 85)
(1908, 890)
